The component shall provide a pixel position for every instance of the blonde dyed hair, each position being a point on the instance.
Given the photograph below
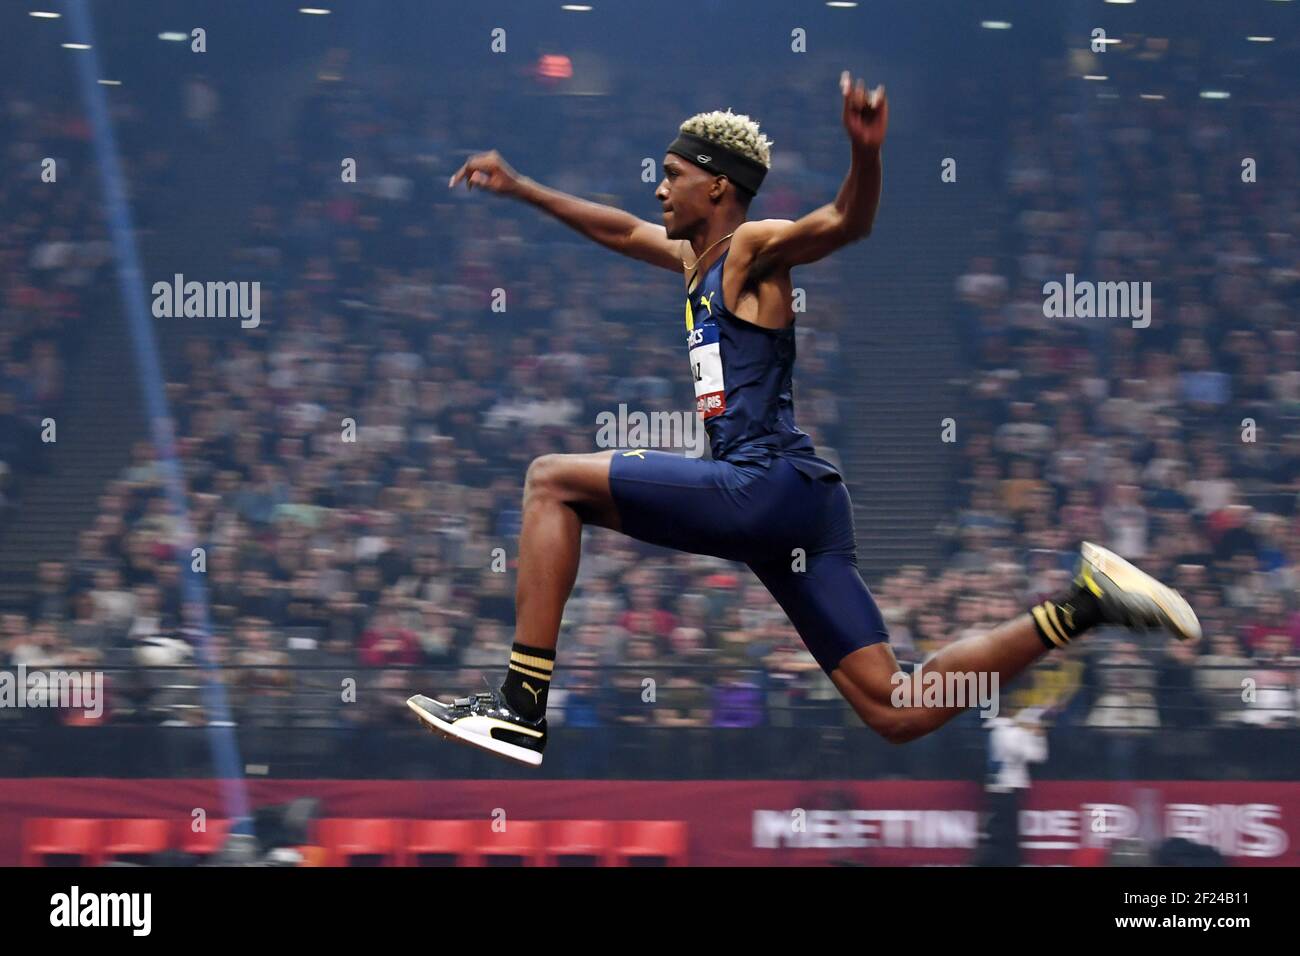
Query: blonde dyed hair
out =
(736, 131)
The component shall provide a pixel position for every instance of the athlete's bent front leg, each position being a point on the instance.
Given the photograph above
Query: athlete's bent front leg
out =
(561, 492)
(866, 677)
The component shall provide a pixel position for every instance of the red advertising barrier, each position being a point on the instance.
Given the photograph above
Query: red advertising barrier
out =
(747, 822)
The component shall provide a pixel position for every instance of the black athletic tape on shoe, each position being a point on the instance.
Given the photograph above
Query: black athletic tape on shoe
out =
(741, 170)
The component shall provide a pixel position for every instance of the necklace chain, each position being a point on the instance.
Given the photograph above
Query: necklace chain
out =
(700, 257)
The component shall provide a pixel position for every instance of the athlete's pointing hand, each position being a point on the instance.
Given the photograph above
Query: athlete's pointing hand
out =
(489, 171)
(866, 112)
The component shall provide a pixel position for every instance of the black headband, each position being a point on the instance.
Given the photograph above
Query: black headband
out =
(741, 170)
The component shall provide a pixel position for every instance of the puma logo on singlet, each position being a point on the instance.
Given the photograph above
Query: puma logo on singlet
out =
(704, 300)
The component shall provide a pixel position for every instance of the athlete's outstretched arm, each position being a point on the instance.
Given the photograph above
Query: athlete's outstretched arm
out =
(781, 244)
(611, 227)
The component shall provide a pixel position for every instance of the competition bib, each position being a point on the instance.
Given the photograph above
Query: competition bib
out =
(706, 363)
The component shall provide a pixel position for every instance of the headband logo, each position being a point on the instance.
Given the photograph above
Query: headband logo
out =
(704, 159)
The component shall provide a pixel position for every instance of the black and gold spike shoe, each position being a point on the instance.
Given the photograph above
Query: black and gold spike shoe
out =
(1132, 598)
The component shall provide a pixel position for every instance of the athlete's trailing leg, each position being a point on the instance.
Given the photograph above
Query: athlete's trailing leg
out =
(1107, 590)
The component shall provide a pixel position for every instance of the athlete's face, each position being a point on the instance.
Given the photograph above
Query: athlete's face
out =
(688, 194)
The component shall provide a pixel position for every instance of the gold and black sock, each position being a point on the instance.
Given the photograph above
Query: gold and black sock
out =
(528, 680)
(1061, 621)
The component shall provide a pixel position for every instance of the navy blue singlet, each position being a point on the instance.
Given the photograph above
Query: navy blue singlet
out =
(764, 498)
(743, 381)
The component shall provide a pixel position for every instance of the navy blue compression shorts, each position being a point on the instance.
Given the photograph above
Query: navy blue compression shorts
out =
(758, 514)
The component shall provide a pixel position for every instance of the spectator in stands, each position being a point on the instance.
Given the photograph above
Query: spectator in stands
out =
(51, 600)
(254, 649)
(385, 643)
(1272, 698)
(683, 701)
(1222, 675)
(1125, 706)
(1179, 697)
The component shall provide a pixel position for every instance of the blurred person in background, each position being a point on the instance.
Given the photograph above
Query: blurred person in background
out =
(1272, 702)
(1181, 703)
(260, 681)
(1013, 744)
(1125, 706)
(386, 643)
(1221, 674)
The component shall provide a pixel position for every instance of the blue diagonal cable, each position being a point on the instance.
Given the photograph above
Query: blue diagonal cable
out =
(220, 727)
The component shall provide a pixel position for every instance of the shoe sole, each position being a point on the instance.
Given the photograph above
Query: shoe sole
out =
(500, 748)
(1180, 619)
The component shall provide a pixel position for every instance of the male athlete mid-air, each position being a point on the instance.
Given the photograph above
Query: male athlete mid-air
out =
(764, 492)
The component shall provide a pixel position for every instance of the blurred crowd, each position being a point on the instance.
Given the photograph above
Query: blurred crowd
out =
(1174, 443)
(53, 253)
(353, 467)
(56, 261)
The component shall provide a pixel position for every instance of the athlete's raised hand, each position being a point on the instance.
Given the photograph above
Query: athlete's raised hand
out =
(488, 171)
(866, 112)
